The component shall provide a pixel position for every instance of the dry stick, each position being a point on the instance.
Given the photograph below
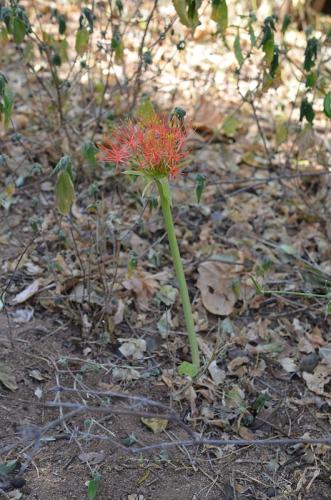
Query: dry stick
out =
(4, 290)
(137, 83)
(224, 442)
(35, 435)
(99, 115)
(269, 155)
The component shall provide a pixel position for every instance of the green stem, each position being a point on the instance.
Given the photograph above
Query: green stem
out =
(165, 198)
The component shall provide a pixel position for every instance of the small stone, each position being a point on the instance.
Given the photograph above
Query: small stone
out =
(309, 362)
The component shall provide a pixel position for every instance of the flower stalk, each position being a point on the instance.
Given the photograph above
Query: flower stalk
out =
(165, 200)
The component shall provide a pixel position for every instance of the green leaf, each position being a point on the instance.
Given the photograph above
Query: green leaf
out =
(327, 105)
(272, 347)
(230, 125)
(187, 12)
(258, 288)
(134, 173)
(219, 14)
(82, 38)
(274, 63)
(19, 30)
(129, 440)
(260, 402)
(118, 48)
(311, 79)
(145, 111)
(252, 35)
(119, 6)
(64, 192)
(235, 398)
(93, 486)
(268, 49)
(89, 152)
(133, 262)
(62, 24)
(186, 368)
(63, 50)
(89, 17)
(281, 130)
(306, 111)
(63, 164)
(7, 106)
(310, 53)
(8, 467)
(3, 83)
(200, 184)
(286, 23)
(3, 37)
(288, 249)
(237, 50)
(56, 59)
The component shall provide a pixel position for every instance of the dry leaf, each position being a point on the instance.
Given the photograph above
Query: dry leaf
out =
(7, 378)
(246, 433)
(133, 348)
(22, 315)
(214, 283)
(288, 365)
(36, 375)
(317, 380)
(118, 317)
(216, 373)
(92, 457)
(156, 425)
(144, 285)
(207, 118)
(27, 293)
(81, 294)
(38, 393)
(125, 374)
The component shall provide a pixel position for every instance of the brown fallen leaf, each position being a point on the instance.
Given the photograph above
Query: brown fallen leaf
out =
(318, 379)
(92, 457)
(214, 283)
(144, 285)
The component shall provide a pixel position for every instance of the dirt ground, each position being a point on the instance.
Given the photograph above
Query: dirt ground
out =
(91, 326)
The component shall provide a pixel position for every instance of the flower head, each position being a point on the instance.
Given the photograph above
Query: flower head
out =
(154, 146)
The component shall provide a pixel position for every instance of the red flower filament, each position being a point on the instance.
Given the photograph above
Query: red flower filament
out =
(154, 146)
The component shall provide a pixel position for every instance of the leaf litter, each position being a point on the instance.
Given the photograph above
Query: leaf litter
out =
(275, 231)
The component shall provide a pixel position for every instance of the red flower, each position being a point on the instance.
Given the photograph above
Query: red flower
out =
(155, 146)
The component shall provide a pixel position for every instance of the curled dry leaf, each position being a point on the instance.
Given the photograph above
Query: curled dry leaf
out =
(144, 285)
(317, 380)
(133, 348)
(27, 293)
(217, 374)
